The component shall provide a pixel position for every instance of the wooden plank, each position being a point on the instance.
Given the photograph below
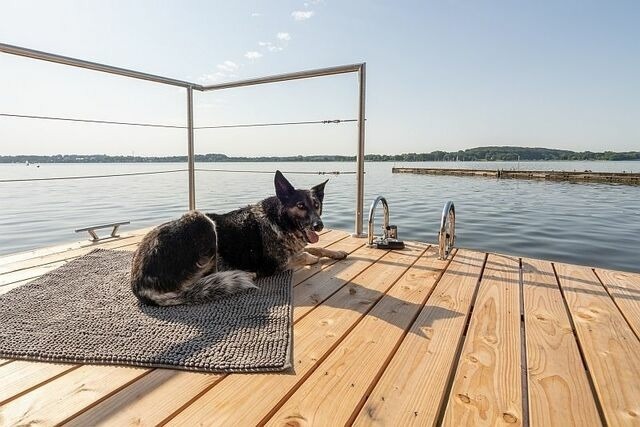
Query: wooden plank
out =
(412, 390)
(624, 288)
(347, 243)
(316, 289)
(31, 273)
(487, 387)
(559, 390)
(332, 392)
(57, 400)
(328, 236)
(41, 252)
(4, 361)
(147, 401)
(50, 250)
(247, 399)
(21, 376)
(67, 255)
(28, 274)
(6, 288)
(610, 348)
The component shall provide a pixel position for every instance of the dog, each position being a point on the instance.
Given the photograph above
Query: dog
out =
(201, 257)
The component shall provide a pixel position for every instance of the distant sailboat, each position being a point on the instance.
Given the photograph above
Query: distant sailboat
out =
(26, 163)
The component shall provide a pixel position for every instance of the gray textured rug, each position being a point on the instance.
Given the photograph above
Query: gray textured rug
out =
(85, 312)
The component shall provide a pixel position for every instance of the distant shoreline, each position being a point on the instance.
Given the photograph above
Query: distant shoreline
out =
(480, 154)
(20, 162)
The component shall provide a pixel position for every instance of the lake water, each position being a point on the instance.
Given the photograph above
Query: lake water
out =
(591, 224)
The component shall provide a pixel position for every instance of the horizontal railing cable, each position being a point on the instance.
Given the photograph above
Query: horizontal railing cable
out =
(253, 125)
(107, 122)
(157, 125)
(58, 178)
(272, 172)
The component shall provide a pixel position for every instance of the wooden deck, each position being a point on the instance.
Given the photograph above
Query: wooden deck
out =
(385, 338)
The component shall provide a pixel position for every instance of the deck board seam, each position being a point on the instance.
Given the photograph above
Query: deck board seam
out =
(63, 261)
(327, 265)
(191, 401)
(592, 385)
(524, 364)
(85, 248)
(319, 303)
(344, 336)
(38, 385)
(74, 246)
(401, 339)
(446, 396)
(624, 316)
(84, 409)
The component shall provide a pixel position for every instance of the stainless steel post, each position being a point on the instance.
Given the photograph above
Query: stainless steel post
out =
(360, 156)
(190, 155)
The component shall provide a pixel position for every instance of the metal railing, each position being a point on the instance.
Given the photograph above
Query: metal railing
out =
(359, 68)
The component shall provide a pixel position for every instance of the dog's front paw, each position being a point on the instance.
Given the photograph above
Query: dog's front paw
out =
(311, 259)
(339, 255)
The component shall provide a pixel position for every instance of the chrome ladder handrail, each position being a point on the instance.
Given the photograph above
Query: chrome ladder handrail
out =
(447, 233)
(372, 211)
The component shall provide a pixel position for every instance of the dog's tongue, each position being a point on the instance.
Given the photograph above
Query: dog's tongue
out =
(312, 236)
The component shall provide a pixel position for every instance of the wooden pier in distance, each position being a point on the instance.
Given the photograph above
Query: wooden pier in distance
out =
(380, 338)
(572, 176)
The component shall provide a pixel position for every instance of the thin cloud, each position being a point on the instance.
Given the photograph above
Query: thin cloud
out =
(212, 77)
(255, 14)
(252, 54)
(302, 15)
(270, 46)
(228, 66)
(284, 36)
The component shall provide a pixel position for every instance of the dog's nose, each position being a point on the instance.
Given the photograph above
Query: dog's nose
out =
(317, 225)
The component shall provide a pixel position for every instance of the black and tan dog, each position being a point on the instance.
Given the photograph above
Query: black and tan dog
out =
(201, 257)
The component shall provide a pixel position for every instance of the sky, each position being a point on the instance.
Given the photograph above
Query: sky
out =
(441, 75)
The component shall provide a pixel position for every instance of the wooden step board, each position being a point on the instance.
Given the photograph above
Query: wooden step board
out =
(381, 338)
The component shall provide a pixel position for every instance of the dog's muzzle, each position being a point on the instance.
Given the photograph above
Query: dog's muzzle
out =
(317, 225)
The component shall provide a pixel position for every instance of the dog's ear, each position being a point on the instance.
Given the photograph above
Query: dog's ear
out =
(318, 190)
(284, 189)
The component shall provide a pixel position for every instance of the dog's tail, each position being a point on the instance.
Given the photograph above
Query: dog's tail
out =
(208, 288)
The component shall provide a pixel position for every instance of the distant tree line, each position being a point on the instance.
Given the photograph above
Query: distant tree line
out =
(472, 154)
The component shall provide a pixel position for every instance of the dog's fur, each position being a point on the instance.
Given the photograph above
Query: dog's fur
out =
(201, 257)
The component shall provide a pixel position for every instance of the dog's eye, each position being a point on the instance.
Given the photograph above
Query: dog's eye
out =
(316, 205)
(301, 206)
